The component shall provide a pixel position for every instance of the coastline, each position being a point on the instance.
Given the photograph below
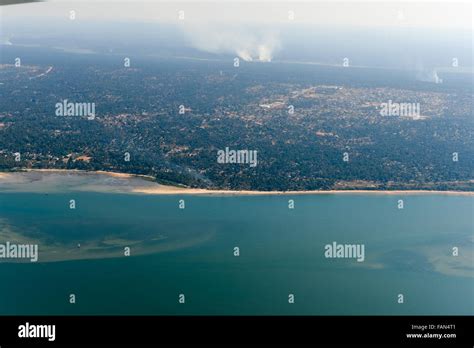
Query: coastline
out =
(145, 186)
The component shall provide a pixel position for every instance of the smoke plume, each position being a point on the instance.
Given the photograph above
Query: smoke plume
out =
(427, 74)
(249, 45)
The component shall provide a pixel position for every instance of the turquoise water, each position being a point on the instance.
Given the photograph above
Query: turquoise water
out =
(190, 251)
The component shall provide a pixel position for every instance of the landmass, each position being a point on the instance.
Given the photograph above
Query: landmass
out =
(313, 127)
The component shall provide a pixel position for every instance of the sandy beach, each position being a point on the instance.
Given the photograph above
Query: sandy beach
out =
(99, 181)
(177, 190)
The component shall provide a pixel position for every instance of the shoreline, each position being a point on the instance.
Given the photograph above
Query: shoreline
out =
(193, 191)
(154, 188)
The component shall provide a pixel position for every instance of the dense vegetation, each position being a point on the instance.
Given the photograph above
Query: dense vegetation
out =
(137, 112)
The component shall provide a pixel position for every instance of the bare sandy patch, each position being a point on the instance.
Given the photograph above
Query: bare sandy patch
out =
(96, 181)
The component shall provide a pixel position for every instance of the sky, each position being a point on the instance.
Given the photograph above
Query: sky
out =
(419, 14)
(406, 34)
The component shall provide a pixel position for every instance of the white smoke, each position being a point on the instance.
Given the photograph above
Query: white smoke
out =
(6, 41)
(427, 75)
(249, 45)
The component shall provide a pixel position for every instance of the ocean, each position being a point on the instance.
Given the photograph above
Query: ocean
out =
(237, 255)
